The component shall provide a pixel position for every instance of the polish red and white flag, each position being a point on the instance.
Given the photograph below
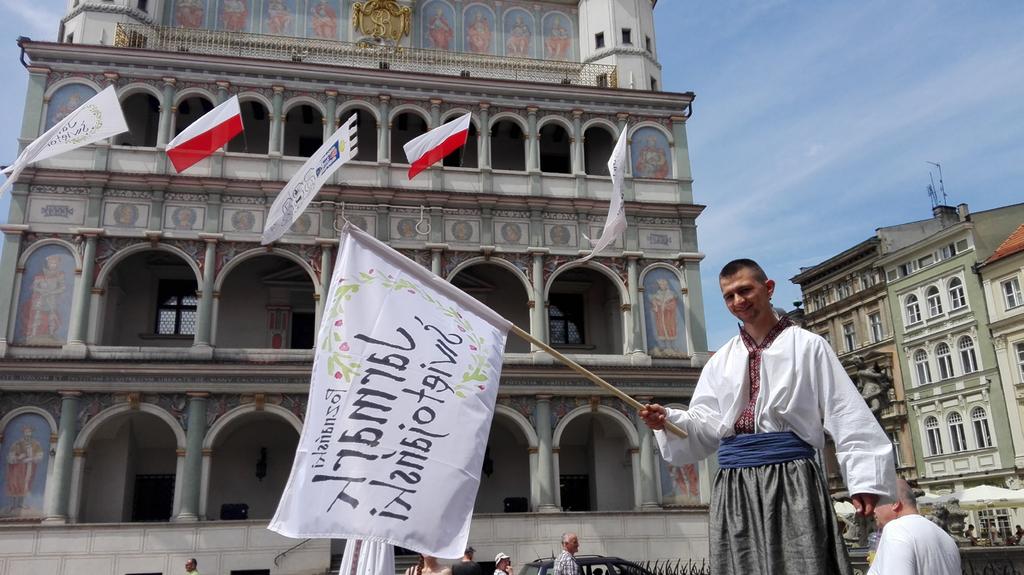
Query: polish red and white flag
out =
(206, 135)
(424, 151)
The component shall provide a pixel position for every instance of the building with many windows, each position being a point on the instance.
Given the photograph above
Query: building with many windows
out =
(954, 390)
(154, 358)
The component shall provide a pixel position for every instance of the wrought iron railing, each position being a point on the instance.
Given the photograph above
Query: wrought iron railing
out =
(361, 55)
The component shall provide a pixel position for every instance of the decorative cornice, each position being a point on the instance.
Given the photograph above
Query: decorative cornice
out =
(130, 11)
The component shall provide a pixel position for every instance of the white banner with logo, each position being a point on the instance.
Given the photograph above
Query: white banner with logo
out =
(302, 188)
(401, 398)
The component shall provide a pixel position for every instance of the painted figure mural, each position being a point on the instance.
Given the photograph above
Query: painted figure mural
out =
(278, 18)
(44, 302)
(652, 157)
(189, 13)
(479, 30)
(518, 33)
(65, 100)
(23, 474)
(557, 37)
(439, 31)
(680, 486)
(664, 314)
(323, 20)
(234, 15)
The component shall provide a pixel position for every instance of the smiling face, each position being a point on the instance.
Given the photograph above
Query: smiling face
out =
(747, 297)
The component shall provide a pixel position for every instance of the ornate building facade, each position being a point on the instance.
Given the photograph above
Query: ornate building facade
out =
(154, 358)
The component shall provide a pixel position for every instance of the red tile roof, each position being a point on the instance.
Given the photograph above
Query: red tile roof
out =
(1012, 245)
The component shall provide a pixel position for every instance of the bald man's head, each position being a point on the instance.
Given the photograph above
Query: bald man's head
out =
(905, 504)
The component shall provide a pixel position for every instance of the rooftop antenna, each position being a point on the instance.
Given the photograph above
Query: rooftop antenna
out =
(932, 192)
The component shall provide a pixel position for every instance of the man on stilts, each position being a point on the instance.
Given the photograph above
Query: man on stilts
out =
(764, 401)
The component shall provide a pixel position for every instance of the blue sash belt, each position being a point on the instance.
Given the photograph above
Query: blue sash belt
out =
(756, 449)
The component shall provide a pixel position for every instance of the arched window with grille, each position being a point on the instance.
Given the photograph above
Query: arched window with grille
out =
(913, 309)
(982, 435)
(931, 429)
(968, 358)
(934, 301)
(945, 361)
(957, 299)
(924, 371)
(957, 437)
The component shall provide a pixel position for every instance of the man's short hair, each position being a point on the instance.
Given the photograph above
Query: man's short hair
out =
(905, 493)
(732, 268)
(566, 536)
(193, 562)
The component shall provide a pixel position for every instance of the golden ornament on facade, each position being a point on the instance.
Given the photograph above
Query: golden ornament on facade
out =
(382, 19)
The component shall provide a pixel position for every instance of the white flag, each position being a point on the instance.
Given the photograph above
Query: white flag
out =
(98, 118)
(302, 188)
(367, 558)
(615, 223)
(403, 388)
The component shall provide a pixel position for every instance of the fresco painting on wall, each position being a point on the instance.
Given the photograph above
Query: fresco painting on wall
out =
(189, 13)
(680, 486)
(65, 100)
(279, 17)
(322, 20)
(438, 26)
(652, 156)
(663, 310)
(234, 15)
(44, 302)
(23, 472)
(557, 36)
(518, 33)
(479, 25)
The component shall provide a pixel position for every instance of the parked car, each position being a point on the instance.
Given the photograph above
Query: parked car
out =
(589, 565)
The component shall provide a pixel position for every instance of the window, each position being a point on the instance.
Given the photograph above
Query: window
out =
(948, 251)
(891, 275)
(913, 309)
(827, 337)
(875, 321)
(931, 427)
(176, 307)
(934, 301)
(1020, 360)
(994, 519)
(925, 261)
(627, 36)
(602, 80)
(70, 38)
(565, 319)
(599, 40)
(957, 438)
(982, 435)
(957, 299)
(905, 270)
(924, 372)
(844, 290)
(945, 361)
(961, 245)
(895, 439)
(654, 84)
(143, 5)
(1011, 293)
(647, 43)
(849, 336)
(968, 359)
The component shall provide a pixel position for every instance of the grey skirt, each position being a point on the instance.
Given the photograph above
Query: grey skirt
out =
(775, 520)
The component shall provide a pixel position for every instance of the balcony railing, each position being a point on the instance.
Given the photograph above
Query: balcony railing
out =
(362, 55)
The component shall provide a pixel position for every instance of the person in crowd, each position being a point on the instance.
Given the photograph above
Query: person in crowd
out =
(566, 563)
(502, 564)
(910, 543)
(192, 567)
(428, 566)
(467, 566)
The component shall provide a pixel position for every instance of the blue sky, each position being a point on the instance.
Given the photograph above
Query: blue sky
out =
(813, 120)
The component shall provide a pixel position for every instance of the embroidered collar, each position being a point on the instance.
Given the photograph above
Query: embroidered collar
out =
(773, 333)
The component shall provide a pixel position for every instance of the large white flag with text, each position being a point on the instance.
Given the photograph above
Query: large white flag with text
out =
(98, 118)
(403, 388)
(302, 188)
(615, 223)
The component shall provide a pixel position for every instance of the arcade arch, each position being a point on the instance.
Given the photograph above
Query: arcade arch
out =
(503, 291)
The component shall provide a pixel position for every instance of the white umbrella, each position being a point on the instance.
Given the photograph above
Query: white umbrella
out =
(984, 496)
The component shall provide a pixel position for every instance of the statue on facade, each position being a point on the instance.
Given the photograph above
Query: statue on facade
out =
(873, 385)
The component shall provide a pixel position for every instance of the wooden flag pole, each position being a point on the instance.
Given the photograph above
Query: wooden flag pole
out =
(591, 376)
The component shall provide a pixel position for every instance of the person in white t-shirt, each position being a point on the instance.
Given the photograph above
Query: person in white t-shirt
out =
(910, 543)
(502, 564)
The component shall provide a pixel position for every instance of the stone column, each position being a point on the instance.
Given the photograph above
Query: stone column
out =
(204, 315)
(696, 329)
(627, 185)
(437, 170)
(538, 325)
(484, 135)
(636, 297)
(192, 470)
(384, 130)
(276, 121)
(682, 148)
(546, 479)
(79, 320)
(32, 117)
(8, 273)
(436, 250)
(326, 270)
(167, 110)
(58, 485)
(578, 165)
(331, 119)
(532, 140)
(648, 463)
(222, 91)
